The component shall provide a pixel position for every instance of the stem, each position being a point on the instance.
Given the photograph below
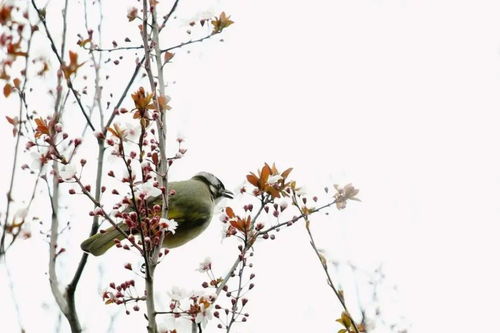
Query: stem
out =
(325, 268)
(235, 305)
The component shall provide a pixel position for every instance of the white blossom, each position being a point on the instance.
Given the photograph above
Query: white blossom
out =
(205, 265)
(67, 171)
(274, 179)
(169, 224)
(36, 160)
(177, 293)
(149, 190)
(21, 214)
(205, 314)
(348, 192)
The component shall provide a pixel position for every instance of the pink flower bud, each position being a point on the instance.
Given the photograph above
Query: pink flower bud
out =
(99, 135)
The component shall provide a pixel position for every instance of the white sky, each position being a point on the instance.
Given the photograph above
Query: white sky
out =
(398, 97)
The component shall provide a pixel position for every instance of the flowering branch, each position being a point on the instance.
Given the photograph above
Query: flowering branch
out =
(17, 131)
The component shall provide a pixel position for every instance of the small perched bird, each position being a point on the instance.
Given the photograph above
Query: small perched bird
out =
(191, 205)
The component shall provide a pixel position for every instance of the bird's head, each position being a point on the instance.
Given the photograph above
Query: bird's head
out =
(214, 184)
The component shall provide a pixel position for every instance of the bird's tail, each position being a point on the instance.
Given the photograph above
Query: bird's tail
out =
(101, 242)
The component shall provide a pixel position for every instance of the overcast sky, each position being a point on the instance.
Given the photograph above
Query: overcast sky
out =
(398, 97)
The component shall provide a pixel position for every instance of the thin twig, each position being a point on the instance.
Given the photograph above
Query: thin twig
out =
(61, 62)
(10, 283)
(325, 268)
(167, 17)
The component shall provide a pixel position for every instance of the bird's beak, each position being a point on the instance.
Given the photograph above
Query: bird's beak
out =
(227, 194)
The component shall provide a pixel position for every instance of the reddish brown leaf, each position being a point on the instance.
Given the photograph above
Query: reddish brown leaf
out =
(155, 158)
(266, 172)
(12, 121)
(7, 90)
(252, 179)
(285, 173)
(73, 65)
(168, 56)
(230, 212)
(41, 127)
(273, 169)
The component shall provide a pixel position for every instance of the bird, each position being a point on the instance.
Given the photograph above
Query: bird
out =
(191, 205)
